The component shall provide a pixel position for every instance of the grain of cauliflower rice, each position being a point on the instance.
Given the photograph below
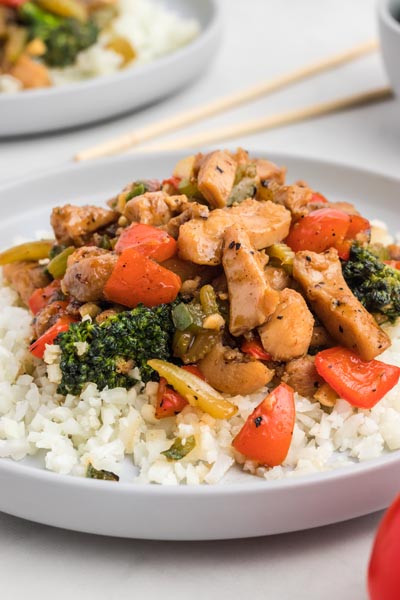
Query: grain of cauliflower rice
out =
(230, 287)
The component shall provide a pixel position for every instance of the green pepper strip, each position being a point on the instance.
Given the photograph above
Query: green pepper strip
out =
(58, 265)
(178, 450)
(283, 255)
(208, 300)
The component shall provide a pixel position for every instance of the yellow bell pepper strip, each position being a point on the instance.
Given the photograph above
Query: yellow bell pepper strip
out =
(72, 9)
(58, 265)
(122, 46)
(27, 251)
(196, 391)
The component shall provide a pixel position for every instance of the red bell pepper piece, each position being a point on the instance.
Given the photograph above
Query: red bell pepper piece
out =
(383, 571)
(149, 241)
(170, 402)
(255, 349)
(395, 264)
(173, 181)
(317, 197)
(136, 279)
(267, 433)
(40, 297)
(361, 383)
(326, 228)
(13, 3)
(39, 346)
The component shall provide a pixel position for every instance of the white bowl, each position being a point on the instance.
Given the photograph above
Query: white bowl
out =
(49, 109)
(389, 32)
(242, 505)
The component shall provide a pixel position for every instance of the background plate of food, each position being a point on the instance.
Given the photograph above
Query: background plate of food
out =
(297, 356)
(65, 63)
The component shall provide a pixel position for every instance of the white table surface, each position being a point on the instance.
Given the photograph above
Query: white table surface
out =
(262, 38)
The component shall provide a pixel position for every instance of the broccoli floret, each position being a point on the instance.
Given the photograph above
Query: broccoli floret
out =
(112, 348)
(64, 38)
(375, 284)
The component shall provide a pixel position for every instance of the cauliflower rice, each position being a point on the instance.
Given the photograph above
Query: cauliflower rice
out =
(104, 427)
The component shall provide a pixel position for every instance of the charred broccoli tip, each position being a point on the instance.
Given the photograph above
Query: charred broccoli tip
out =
(64, 38)
(375, 284)
(111, 349)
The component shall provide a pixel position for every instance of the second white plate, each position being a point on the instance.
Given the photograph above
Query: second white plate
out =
(48, 109)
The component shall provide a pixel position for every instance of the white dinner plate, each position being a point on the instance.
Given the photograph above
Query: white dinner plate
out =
(242, 505)
(48, 109)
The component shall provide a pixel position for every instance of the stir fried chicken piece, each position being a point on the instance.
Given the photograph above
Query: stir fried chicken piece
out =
(25, 278)
(154, 208)
(394, 251)
(88, 271)
(75, 224)
(149, 208)
(200, 240)
(321, 338)
(252, 300)
(216, 177)
(301, 200)
(298, 199)
(187, 211)
(288, 331)
(266, 222)
(345, 318)
(267, 171)
(301, 375)
(30, 73)
(230, 372)
(46, 317)
(277, 278)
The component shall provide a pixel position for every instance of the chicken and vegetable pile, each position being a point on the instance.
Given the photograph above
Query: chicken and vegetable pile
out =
(216, 282)
(37, 35)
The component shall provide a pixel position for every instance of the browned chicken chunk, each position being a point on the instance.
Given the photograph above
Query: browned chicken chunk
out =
(25, 278)
(200, 240)
(228, 371)
(302, 376)
(295, 198)
(216, 177)
(149, 208)
(88, 271)
(251, 299)
(30, 73)
(288, 331)
(75, 224)
(345, 318)
(268, 171)
(46, 317)
(187, 211)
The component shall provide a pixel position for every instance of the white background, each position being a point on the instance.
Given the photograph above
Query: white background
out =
(262, 38)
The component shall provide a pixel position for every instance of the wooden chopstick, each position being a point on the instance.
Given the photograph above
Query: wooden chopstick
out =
(144, 134)
(276, 120)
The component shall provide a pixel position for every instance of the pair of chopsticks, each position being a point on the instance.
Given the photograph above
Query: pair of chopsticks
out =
(134, 138)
